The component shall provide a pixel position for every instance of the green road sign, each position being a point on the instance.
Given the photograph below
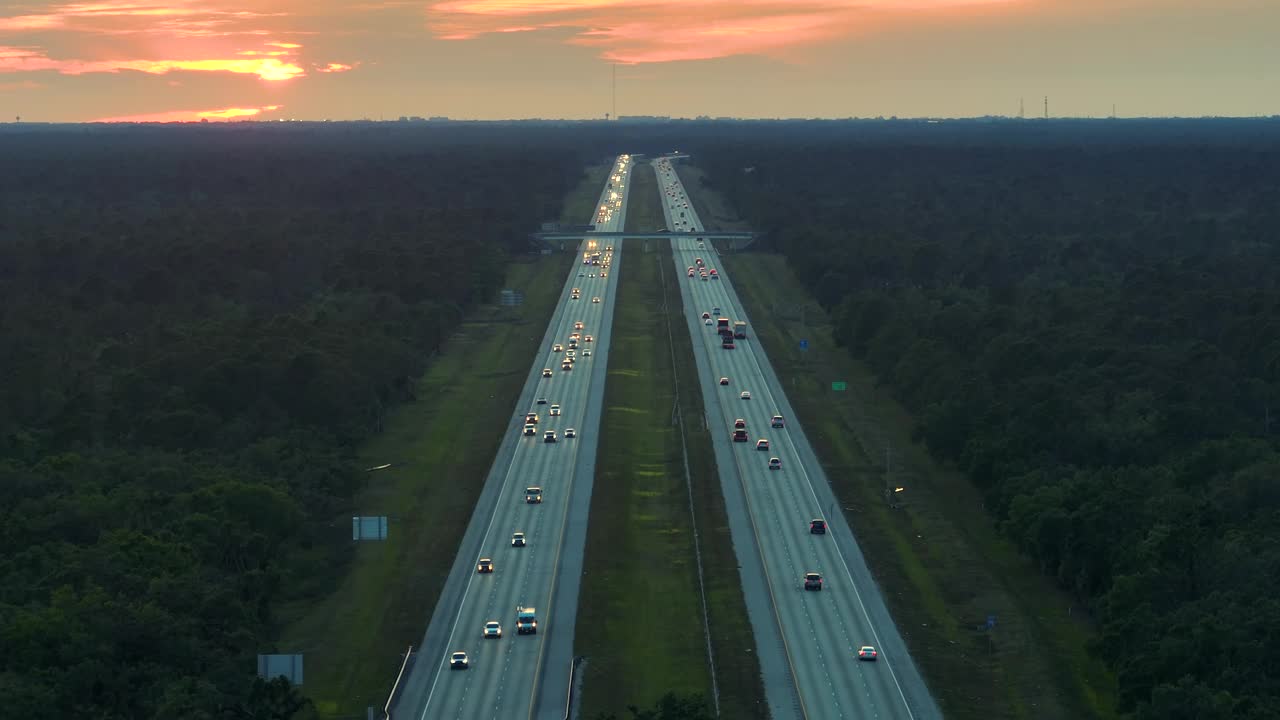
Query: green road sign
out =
(839, 385)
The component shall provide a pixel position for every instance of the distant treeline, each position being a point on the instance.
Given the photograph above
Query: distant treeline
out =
(198, 327)
(1089, 326)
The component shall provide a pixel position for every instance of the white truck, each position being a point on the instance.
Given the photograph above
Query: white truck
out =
(526, 621)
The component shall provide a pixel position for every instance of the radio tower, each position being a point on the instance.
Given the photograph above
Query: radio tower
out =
(615, 91)
(1022, 111)
(1046, 107)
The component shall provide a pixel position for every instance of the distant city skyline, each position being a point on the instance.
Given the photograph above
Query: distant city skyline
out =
(510, 59)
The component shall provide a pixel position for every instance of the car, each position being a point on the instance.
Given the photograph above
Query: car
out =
(484, 566)
(531, 418)
(570, 433)
(818, 526)
(546, 372)
(555, 409)
(566, 366)
(576, 291)
(556, 348)
(713, 272)
(724, 381)
(592, 275)
(533, 495)
(570, 353)
(517, 539)
(604, 274)
(459, 661)
(745, 395)
(706, 316)
(574, 296)
(577, 325)
(739, 424)
(740, 436)
(775, 463)
(580, 274)
(704, 277)
(690, 268)
(866, 652)
(549, 436)
(715, 311)
(595, 300)
(690, 273)
(812, 581)
(530, 429)
(541, 401)
(762, 444)
(571, 360)
(776, 421)
(492, 630)
(586, 353)
(587, 338)
(727, 344)
(698, 262)
(708, 322)
(575, 335)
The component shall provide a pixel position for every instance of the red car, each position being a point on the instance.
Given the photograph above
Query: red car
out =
(739, 435)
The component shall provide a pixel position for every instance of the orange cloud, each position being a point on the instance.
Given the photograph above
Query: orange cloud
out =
(225, 114)
(334, 68)
(644, 31)
(14, 59)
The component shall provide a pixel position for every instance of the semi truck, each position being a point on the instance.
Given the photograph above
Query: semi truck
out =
(526, 621)
(740, 330)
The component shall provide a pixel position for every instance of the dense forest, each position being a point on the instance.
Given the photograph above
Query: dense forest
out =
(1086, 320)
(199, 325)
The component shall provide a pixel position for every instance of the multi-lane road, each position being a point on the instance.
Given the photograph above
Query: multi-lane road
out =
(808, 639)
(515, 677)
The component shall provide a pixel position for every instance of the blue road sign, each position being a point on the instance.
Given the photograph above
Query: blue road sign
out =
(991, 621)
(804, 344)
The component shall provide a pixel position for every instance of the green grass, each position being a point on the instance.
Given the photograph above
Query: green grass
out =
(580, 206)
(937, 557)
(353, 638)
(640, 616)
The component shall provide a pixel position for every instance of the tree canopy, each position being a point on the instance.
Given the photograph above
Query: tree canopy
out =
(1087, 324)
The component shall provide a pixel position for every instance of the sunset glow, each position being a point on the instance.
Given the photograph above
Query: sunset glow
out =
(340, 59)
(223, 115)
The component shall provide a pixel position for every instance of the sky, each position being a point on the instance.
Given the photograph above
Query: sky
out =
(187, 60)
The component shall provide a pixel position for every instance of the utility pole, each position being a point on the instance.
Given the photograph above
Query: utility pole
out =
(1046, 107)
(615, 91)
(1022, 111)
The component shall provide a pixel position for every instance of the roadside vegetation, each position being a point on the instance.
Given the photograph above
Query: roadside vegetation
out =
(1081, 322)
(640, 621)
(192, 360)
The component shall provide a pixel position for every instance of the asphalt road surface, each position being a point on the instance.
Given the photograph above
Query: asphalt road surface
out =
(808, 640)
(527, 676)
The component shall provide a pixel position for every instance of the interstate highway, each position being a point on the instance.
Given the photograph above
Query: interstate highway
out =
(526, 676)
(813, 636)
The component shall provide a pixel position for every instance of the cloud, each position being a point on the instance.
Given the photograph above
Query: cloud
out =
(14, 59)
(223, 115)
(334, 68)
(645, 31)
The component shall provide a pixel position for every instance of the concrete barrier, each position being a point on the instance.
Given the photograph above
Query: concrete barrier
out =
(386, 709)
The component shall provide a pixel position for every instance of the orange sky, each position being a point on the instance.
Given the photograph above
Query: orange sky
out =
(346, 59)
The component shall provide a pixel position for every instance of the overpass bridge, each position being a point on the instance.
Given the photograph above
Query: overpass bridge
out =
(565, 241)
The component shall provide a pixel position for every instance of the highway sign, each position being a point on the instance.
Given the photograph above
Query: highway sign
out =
(804, 344)
(839, 385)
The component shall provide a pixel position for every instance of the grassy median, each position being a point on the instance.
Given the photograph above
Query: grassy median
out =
(353, 638)
(640, 620)
(941, 564)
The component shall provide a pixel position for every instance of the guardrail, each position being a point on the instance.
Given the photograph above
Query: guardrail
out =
(386, 709)
(568, 697)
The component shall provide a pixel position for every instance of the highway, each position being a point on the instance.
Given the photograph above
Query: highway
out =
(526, 676)
(808, 640)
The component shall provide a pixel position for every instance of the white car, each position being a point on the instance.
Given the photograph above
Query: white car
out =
(555, 409)
(570, 433)
(586, 353)
(595, 299)
(746, 395)
(459, 661)
(708, 322)
(517, 539)
(492, 630)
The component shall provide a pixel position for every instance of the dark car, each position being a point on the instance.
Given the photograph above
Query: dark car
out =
(812, 581)
(740, 436)
(818, 526)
